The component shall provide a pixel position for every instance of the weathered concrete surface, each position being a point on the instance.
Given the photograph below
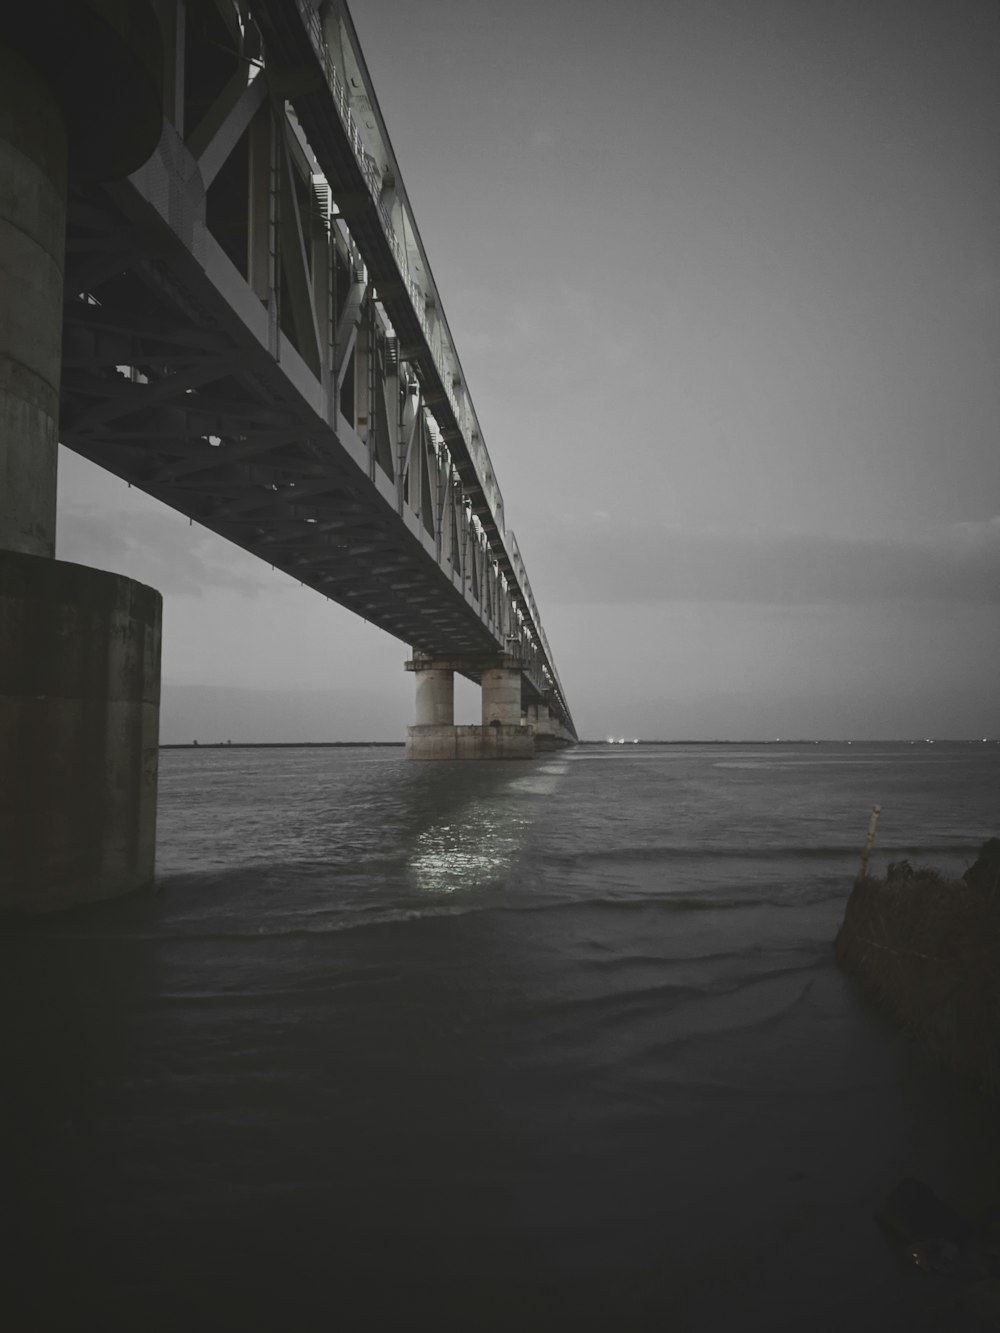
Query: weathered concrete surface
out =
(32, 242)
(547, 742)
(560, 739)
(544, 728)
(537, 717)
(501, 696)
(103, 60)
(80, 97)
(440, 742)
(502, 734)
(507, 742)
(79, 730)
(435, 697)
(469, 742)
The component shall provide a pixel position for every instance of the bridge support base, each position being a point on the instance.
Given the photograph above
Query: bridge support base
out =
(469, 742)
(546, 744)
(79, 719)
(435, 735)
(538, 719)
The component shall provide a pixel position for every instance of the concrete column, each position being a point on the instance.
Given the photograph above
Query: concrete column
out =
(435, 698)
(537, 717)
(79, 648)
(501, 687)
(32, 243)
(544, 727)
(434, 734)
(79, 724)
(503, 736)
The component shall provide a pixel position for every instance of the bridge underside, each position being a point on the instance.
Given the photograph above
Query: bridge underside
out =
(246, 328)
(170, 388)
(178, 394)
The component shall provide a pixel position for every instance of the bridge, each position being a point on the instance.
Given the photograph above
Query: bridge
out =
(212, 285)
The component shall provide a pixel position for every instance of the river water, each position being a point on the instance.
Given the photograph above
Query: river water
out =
(558, 1045)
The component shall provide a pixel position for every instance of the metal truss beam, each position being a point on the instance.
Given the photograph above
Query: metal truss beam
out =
(252, 335)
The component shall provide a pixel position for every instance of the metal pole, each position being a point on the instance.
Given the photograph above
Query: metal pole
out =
(866, 850)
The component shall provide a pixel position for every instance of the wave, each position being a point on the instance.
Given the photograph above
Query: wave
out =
(220, 925)
(746, 1018)
(674, 902)
(279, 871)
(359, 918)
(625, 1002)
(805, 851)
(347, 920)
(807, 951)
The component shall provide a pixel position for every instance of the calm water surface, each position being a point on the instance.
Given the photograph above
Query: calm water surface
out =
(557, 1045)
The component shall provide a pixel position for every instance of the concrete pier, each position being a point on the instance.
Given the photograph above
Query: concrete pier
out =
(79, 648)
(501, 696)
(504, 736)
(501, 735)
(543, 727)
(32, 243)
(79, 723)
(435, 697)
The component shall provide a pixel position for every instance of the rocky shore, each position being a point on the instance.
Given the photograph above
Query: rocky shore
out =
(927, 949)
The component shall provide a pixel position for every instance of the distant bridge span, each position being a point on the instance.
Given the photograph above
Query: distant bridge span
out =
(254, 337)
(252, 334)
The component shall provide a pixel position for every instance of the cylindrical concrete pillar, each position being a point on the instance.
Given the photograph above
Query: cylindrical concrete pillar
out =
(79, 718)
(435, 698)
(501, 696)
(80, 95)
(538, 719)
(32, 245)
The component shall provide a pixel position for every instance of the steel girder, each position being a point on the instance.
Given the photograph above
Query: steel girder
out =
(246, 340)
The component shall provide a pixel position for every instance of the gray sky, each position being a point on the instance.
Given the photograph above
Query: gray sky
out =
(724, 276)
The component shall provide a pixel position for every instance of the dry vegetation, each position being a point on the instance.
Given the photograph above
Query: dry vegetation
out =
(928, 950)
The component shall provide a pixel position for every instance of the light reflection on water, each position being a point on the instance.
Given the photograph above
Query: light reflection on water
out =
(479, 847)
(450, 858)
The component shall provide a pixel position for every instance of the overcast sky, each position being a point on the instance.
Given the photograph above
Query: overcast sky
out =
(724, 276)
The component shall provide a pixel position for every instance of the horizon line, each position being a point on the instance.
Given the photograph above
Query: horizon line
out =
(801, 740)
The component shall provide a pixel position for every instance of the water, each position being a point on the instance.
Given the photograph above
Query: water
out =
(558, 1045)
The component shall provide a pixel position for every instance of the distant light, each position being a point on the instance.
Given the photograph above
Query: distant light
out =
(312, 520)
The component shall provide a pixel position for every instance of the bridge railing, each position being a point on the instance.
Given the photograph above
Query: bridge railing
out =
(474, 446)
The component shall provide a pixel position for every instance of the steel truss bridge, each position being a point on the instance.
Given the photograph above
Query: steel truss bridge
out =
(253, 336)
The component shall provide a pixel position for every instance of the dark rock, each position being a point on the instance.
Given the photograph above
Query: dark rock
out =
(984, 873)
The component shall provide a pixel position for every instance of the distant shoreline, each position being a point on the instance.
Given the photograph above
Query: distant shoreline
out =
(398, 745)
(281, 745)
